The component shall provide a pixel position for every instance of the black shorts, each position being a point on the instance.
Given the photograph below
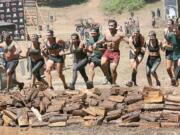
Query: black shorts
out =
(169, 55)
(56, 59)
(11, 65)
(135, 56)
(95, 60)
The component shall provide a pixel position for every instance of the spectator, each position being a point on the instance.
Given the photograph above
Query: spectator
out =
(158, 13)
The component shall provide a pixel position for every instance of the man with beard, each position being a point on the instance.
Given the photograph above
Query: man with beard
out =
(80, 61)
(97, 49)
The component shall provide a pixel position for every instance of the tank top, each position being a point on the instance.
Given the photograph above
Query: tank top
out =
(35, 51)
(79, 56)
(137, 44)
(153, 48)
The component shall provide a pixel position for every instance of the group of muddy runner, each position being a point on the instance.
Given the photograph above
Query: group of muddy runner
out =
(100, 50)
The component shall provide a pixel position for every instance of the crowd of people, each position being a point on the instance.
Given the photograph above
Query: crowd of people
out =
(100, 50)
(130, 24)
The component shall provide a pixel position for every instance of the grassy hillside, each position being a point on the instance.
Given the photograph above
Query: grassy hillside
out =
(118, 6)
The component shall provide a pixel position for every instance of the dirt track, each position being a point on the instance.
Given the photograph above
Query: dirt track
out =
(64, 25)
(68, 16)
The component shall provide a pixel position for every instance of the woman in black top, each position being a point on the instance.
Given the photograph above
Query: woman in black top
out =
(136, 54)
(54, 53)
(37, 60)
(154, 58)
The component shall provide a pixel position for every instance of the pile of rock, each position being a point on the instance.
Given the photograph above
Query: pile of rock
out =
(37, 107)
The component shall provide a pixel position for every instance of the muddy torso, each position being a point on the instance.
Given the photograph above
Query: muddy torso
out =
(113, 41)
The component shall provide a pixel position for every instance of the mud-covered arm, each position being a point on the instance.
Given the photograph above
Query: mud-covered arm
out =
(123, 37)
(161, 45)
(28, 49)
(143, 44)
(1, 45)
(18, 49)
(94, 47)
(168, 43)
(131, 45)
(125, 40)
(102, 41)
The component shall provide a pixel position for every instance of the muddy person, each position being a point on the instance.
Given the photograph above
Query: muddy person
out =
(158, 12)
(169, 52)
(153, 46)
(12, 53)
(136, 54)
(153, 22)
(111, 56)
(97, 49)
(37, 60)
(80, 61)
(28, 58)
(173, 39)
(55, 57)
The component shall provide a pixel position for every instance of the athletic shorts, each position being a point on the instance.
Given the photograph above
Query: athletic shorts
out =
(11, 65)
(135, 56)
(113, 56)
(56, 59)
(169, 55)
(95, 60)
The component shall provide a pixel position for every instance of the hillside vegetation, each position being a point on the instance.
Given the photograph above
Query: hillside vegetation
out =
(118, 6)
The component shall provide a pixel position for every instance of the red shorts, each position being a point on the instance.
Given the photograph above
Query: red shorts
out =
(112, 55)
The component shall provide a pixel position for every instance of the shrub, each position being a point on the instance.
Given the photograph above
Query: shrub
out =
(118, 6)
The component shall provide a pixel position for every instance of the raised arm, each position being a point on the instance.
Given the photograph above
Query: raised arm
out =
(143, 44)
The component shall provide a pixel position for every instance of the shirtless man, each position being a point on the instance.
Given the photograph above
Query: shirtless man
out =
(112, 38)
(11, 52)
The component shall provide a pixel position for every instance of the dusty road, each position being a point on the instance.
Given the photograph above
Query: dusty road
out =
(77, 130)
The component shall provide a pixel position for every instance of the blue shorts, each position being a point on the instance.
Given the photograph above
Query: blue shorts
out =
(169, 55)
(11, 65)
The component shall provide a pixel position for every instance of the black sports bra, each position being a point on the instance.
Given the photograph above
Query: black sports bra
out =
(153, 48)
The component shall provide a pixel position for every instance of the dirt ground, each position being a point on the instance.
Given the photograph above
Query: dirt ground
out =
(64, 26)
(98, 130)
